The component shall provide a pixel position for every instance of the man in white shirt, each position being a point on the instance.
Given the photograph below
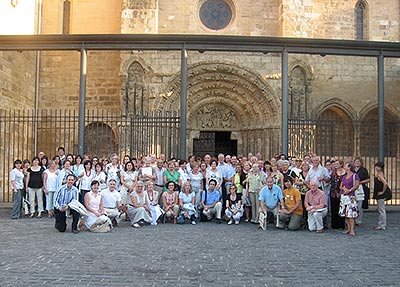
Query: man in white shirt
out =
(112, 202)
(159, 180)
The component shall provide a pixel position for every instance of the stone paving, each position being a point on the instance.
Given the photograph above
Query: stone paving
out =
(33, 253)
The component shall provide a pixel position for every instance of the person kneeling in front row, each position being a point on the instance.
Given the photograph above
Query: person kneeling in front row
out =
(315, 204)
(210, 201)
(62, 197)
(292, 211)
(234, 209)
(112, 203)
(270, 195)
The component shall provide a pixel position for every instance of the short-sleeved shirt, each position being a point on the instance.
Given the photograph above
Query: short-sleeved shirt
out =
(271, 197)
(187, 198)
(291, 197)
(314, 174)
(317, 198)
(234, 204)
(349, 182)
(195, 180)
(17, 176)
(212, 197)
(171, 177)
(255, 181)
(110, 199)
(170, 198)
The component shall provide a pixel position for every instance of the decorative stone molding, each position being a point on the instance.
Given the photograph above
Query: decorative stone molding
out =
(243, 94)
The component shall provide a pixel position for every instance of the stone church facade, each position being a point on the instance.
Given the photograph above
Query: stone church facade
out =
(238, 93)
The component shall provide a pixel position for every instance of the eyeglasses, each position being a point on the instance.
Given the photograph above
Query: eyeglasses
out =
(298, 160)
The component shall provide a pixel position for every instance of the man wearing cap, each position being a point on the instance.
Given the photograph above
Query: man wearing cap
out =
(210, 201)
(64, 195)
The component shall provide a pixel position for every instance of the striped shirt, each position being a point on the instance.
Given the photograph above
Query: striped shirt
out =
(63, 196)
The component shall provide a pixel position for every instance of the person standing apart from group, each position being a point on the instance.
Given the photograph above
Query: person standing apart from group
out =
(380, 194)
(17, 186)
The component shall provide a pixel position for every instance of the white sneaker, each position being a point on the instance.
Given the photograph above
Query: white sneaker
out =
(153, 223)
(193, 222)
(136, 225)
(230, 222)
(236, 222)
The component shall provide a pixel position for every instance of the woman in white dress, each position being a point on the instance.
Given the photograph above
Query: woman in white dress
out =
(128, 182)
(113, 170)
(94, 205)
(155, 208)
(138, 209)
(50, 186)
(196, 180)
(187, 199)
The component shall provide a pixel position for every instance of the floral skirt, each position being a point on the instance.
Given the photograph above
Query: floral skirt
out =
(348, 206)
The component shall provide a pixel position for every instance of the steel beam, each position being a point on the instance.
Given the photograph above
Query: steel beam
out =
(285, 116)
(199, 43)
(381, 106)
(82, 102)
(182, 129)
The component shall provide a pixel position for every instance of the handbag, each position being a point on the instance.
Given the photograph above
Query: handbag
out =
(359, 192)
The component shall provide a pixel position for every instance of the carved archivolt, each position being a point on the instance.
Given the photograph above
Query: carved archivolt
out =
(226, 90)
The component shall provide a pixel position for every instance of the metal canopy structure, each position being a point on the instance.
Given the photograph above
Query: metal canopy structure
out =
(199, 43)
(222, 43)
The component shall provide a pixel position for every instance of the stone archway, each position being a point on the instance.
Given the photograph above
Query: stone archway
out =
(226, 97)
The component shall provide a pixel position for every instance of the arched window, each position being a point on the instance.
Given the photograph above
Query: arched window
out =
(297, 93)
(66, 17)
(100, 139)
(361, 20)
(335, 133)
(369, 135)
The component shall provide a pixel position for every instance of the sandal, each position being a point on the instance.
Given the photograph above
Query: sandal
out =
(32, 215)
(345, 232)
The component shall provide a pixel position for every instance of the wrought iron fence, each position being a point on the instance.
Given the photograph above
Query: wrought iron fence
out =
(330, 138)
(105, 132)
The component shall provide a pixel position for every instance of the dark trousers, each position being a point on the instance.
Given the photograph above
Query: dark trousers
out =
(61, 220)
(337, 222)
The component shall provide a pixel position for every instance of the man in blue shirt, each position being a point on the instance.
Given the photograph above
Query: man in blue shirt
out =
(62, 197)
(270, 195)
(210, 201)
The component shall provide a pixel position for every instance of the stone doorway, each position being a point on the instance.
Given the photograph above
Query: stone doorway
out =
(213, 143)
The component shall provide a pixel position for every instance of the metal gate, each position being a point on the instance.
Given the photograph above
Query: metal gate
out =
(341, 139)
(25, 133)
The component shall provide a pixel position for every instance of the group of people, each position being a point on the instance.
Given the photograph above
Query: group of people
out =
(288, 192)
